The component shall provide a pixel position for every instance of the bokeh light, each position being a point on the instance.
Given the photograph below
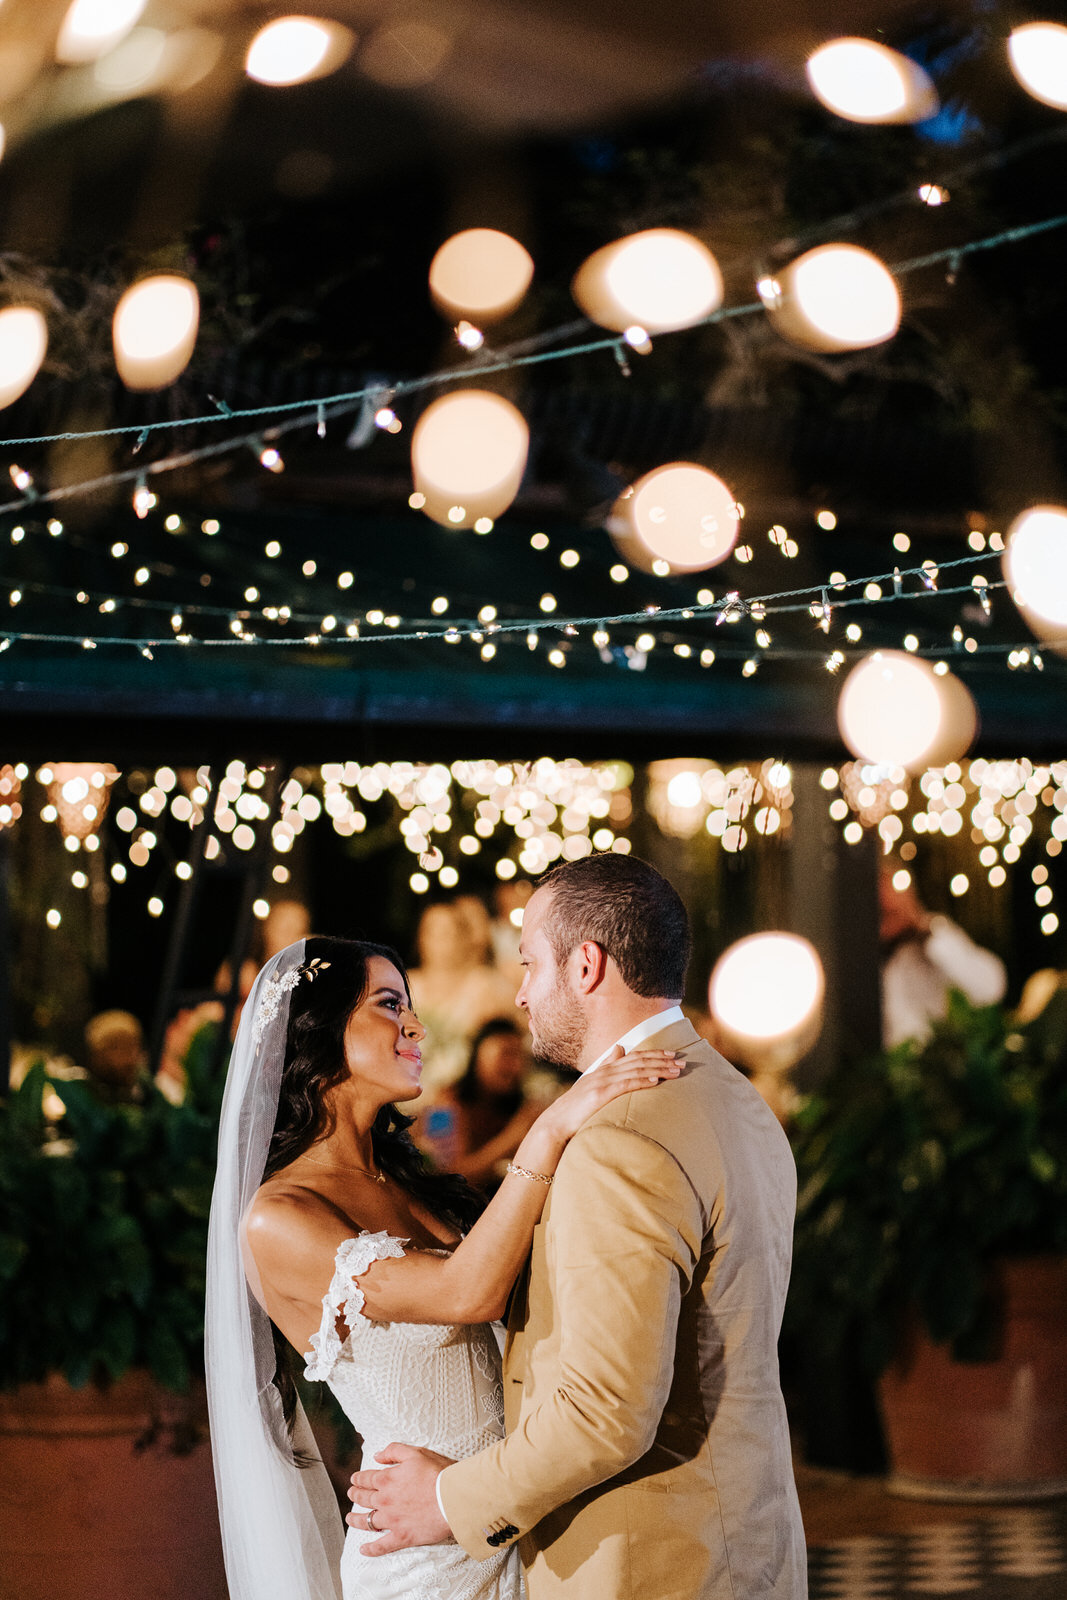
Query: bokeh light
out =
(295, 49)
(868, 82)
(468, 454)
(1038, 55)
(766, 995)
(23, 342)
(659, 280)
(154, 330)
(681, 514)
(92, 27)
(835, 297)
(1035, 565)
(894, 712)
(480, 273)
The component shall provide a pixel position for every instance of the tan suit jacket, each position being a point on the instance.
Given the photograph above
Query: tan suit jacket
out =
(647, 1453)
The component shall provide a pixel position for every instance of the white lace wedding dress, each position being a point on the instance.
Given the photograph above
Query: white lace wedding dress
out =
(426, 1384)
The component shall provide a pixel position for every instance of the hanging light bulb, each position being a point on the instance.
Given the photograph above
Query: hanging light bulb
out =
(468, 455)
(296, 49)
(656, 280)
(93, 27)
(1035, 565)
(868, 82)
(835, 297)
(766, 995)
(23, 342)
(681, 514)
(143, 498)
(154, 330)
(470, 337)
(480, 273)
(895, 712)
(1038, 55)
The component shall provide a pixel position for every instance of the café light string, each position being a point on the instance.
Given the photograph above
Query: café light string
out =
(304, 413)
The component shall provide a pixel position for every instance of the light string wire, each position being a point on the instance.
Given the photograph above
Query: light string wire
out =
(849, 221)
(729, 603)
(731, 607)
(345, 401)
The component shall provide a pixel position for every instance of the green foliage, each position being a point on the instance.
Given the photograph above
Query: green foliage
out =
(916, 1169)
(103, 1232)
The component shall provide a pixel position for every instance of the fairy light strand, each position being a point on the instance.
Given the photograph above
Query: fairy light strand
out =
(310, 413)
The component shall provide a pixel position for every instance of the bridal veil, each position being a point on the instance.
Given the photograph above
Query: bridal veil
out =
(282, 1532)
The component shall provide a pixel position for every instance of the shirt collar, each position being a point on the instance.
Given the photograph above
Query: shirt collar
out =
(639, 1033)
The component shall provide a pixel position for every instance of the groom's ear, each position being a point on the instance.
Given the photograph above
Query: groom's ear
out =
(590, 962)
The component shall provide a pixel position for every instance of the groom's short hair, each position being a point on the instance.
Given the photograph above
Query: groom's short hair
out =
(627, 908)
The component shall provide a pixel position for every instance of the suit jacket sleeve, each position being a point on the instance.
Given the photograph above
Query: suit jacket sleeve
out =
(624, 1237)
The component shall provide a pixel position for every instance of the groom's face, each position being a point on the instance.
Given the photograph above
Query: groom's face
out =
(558, 1024)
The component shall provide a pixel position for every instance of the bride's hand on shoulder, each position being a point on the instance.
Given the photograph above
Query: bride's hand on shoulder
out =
(620, 1074)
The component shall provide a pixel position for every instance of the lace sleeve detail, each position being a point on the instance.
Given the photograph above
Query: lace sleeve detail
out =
(353, 1258)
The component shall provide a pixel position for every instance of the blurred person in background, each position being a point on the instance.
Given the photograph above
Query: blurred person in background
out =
(454, 988)
(285, 923)
(476, 1124)
(115, 1057)
(509, 902)
(924, 955)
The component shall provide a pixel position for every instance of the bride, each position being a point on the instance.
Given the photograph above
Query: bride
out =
(328, 1237)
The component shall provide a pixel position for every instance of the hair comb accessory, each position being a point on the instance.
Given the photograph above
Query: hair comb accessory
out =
(274, 988)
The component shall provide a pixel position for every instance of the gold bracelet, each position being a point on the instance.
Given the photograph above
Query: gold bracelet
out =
(524, 1172)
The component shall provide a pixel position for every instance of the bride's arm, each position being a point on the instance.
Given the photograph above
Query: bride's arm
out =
(294, 1234)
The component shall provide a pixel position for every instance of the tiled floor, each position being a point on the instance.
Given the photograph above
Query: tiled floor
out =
(867, 1545)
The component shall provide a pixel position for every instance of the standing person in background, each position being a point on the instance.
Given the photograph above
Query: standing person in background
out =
(924, 956)
(454, 988)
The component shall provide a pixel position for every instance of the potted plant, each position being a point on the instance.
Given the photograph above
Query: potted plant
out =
(103, 1230)
(931, 1247)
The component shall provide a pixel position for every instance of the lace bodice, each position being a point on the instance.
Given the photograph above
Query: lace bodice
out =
(430, 1384)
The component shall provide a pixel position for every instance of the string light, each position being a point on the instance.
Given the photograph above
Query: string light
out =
(154, 330)
(659, 281)
(834, 297)
(90, 29)
(1037, 52)
(23, 343)
(868, 82)
(354, 399)
(295, 49)
(480, 273)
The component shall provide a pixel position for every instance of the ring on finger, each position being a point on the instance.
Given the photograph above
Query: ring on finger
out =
(371, 1528)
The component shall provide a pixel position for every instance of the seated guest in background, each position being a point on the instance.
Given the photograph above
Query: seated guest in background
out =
(923, 957)
(115, 1057)
(476, 1125)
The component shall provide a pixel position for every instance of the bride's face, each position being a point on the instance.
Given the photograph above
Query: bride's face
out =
(383, 1036)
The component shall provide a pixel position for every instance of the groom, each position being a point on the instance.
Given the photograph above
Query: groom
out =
(647, 1451)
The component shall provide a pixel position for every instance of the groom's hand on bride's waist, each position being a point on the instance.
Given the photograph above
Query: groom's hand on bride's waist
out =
(400, 1500)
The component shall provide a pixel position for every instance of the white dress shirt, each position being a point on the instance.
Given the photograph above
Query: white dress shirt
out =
(918, 975)
(637, 1035)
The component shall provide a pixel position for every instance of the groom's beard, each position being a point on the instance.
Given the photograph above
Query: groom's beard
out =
(557, 1032)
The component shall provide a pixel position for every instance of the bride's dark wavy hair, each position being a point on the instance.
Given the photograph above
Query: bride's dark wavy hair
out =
(319, 1009)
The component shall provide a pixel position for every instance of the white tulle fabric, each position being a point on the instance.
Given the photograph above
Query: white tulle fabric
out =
(430, 1384)
(282, 1532)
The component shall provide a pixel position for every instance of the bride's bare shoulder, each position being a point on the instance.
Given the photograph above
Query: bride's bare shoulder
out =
(287, 1212)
